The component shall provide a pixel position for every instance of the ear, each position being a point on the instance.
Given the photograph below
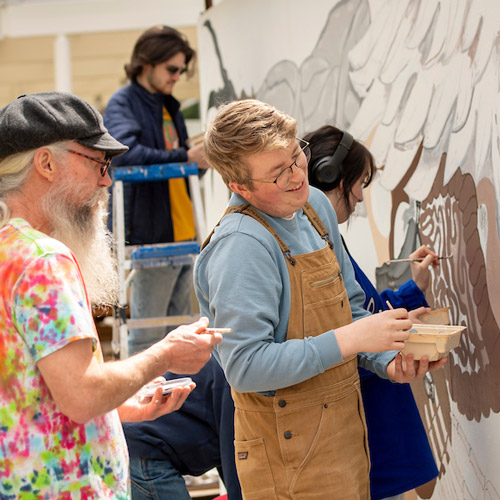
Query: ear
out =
(44, 163)
(240, 189)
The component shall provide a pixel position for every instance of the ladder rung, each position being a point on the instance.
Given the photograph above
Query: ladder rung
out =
(153, 173)
(176, 260)
(166, 250)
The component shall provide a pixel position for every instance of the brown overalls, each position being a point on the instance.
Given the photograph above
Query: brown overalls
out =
(309, 440)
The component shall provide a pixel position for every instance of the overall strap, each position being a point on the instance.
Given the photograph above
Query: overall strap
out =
(229, 210)
(313, 217)
(247, 209)
(252, 212)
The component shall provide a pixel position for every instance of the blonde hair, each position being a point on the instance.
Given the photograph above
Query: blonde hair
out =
(243, 128)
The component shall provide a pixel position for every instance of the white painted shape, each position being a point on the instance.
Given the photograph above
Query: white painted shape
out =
(471, 25)
(442, 104)
(487, 38)
(370, 53)
(399, 55)
(216, 197)
(400, 227)
(380, 207)
(486, 88)
(459, 144)
(193, 127)
(465, 92)
(415, 109)
(362, 52)
(495, 152)
(362, 80)
(370, 112)
(482, 228)
(397, 164)
(456, 18)
(396, 92)
(358, 237)
(420, 183)
(419, 29)
(438, 35)
(381, 143)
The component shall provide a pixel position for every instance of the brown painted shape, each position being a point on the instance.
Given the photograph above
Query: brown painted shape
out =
(462, 283)
(448, 223)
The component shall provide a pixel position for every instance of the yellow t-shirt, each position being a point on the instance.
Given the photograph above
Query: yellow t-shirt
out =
(180, 203)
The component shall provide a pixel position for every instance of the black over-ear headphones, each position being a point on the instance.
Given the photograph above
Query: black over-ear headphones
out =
(326, 173)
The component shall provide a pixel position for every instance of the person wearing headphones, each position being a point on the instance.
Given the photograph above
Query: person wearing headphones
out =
(341, 167)
(275, 271)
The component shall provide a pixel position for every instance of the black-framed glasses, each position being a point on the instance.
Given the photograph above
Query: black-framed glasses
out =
(173, 70)
(283, 178)
(103, 163)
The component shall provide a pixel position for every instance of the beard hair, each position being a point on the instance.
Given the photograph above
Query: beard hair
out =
(82, 228)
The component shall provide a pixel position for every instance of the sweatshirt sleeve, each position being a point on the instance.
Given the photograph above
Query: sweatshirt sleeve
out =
(254, 357)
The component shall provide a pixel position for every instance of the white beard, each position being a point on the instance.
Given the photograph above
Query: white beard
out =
(83, 229)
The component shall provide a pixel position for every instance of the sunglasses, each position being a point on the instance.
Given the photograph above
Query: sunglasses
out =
(173, 70)
(103, 163)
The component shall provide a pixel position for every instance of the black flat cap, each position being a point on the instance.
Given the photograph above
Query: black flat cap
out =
(36, 120)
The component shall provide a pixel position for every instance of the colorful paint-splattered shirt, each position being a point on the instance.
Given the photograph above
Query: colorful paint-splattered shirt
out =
(43, 307)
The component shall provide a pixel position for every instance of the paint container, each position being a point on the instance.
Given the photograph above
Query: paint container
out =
(436, 317)
(433, 341)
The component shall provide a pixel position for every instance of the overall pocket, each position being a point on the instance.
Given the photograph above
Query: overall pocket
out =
(254, 471)
(334, 311)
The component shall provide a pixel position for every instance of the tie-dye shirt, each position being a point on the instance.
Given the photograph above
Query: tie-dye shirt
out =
(43, 307)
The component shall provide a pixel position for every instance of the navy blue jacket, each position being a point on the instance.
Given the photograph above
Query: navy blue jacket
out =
(197, 437)
(400, 454)
(134, 116)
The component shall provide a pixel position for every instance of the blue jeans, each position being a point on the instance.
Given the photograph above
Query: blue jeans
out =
(156, 292)
(156, 480)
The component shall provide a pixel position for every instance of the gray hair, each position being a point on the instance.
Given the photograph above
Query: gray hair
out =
(15, 170)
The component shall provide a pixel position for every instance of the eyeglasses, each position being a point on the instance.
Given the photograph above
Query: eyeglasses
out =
(173, 70)
(104, 163)
(284, 177)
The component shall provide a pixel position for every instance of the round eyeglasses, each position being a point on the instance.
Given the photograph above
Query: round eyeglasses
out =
(103, 163)
(284, 177)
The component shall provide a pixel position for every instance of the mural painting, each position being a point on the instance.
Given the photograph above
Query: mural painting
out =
(418, 82)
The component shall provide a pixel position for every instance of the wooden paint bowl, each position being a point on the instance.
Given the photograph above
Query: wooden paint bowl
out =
(436, 316)
(433, 341)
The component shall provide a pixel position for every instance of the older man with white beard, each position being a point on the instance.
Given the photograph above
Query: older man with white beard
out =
(60, 405)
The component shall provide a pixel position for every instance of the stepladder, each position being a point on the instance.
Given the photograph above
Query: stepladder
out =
(130, 258)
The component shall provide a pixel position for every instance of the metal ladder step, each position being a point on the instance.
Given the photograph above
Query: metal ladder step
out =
(150, 256)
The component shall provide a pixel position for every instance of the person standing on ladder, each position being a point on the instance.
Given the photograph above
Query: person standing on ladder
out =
(146, 117)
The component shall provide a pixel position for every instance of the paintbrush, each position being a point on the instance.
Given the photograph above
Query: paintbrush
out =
(420, 259)
(219, 330)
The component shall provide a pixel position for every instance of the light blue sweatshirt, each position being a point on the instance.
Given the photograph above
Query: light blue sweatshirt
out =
(241, 282)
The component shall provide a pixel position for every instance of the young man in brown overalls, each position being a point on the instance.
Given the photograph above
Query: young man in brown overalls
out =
(274, 270)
